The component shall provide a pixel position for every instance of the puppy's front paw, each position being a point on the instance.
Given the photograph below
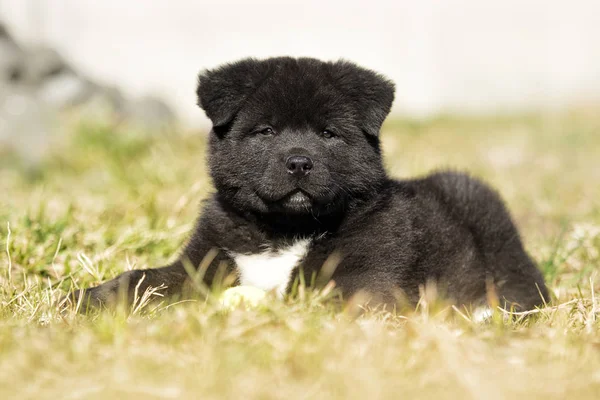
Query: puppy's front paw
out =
(94, 298)
(107, 295)
(84, 300)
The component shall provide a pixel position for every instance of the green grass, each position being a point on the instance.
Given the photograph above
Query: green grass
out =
(106, 200)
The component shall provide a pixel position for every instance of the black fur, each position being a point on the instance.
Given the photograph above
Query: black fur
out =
(392, 236)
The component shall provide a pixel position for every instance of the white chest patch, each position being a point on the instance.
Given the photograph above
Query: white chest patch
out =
(270, 269)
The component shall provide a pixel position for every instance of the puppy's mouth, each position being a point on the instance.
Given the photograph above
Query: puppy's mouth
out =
(297, 199)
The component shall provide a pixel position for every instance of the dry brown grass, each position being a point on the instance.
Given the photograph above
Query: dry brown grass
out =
(105, 201)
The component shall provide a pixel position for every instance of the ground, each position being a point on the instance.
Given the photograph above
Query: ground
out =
(107, 199)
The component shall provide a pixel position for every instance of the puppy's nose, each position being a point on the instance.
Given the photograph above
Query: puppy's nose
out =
(298, 165)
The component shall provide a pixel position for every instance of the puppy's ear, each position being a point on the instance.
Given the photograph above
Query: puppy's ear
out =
(222, 91)
(373, 94)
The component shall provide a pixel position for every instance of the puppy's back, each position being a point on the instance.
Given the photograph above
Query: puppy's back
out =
(479, 208)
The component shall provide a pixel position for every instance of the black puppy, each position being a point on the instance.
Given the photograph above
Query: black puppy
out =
(296, 161)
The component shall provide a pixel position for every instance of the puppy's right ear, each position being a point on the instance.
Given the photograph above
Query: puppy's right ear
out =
(222, 91)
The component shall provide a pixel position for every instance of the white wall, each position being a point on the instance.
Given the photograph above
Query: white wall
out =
(453, 55)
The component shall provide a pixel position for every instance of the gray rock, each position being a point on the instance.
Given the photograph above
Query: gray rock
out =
(43, 63)
(37, 84)
(5, 35)
(12, 58)
(150, 113)
(65, 90)
(25, 123)
(104, 104)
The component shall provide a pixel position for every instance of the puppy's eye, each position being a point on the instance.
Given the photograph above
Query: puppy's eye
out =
(327, 134)
(267, 131)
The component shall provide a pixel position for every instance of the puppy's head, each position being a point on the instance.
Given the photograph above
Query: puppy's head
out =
(294, 135)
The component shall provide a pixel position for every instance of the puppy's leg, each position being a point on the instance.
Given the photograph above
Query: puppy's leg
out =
(199, 262)
(168, 280)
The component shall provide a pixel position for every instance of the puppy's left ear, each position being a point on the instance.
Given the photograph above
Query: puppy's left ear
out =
(222, 91)
(372, 93)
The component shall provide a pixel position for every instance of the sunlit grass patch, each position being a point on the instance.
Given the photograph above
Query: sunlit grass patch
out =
(108, 199)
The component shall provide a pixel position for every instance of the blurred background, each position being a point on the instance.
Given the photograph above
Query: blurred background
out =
(451, 56)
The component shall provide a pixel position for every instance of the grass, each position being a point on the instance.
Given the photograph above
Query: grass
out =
(108, 199)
